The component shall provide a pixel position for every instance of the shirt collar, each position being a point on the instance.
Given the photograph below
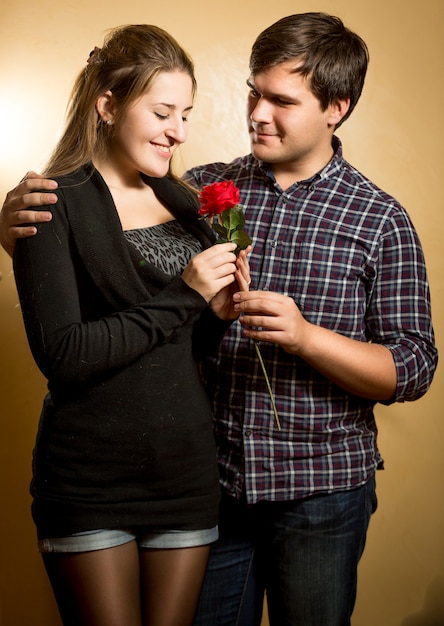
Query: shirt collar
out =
(329, 170)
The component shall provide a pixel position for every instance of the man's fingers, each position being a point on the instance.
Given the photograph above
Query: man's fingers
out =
(255, 321)
(33, 180)
(31, 217)
(24, 197)
(25, 231)
(258, 302)
(33, 184)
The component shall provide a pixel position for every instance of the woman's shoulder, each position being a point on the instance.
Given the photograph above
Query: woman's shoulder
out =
(78, 176)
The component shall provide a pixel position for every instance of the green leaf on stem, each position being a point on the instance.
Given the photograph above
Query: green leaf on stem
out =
(240, 238)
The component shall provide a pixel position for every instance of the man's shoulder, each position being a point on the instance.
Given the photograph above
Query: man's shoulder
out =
(219, 171)
(363, 188)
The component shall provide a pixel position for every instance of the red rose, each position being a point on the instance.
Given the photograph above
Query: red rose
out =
(218, 197)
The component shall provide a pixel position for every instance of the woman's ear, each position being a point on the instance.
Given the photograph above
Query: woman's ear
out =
(106, 108)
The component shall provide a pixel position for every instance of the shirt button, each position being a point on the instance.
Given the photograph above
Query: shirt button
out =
(248, 433)
(273, 243)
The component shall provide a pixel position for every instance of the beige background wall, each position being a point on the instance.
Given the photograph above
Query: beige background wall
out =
(395, 137)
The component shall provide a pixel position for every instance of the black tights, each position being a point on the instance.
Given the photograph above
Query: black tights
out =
(128, 586)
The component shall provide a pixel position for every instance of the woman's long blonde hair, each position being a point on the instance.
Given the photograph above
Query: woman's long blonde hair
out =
(130, 59)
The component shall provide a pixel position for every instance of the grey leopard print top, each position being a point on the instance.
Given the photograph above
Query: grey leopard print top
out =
(168, 246)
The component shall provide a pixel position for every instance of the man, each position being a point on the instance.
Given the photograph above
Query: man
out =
(340, 305)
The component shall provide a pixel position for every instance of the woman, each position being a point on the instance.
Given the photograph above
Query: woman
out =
(115, 294)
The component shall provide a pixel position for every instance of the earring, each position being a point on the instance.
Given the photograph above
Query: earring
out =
(109, 122)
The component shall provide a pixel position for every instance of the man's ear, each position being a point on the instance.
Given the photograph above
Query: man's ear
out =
(338, 109)
(106, 108)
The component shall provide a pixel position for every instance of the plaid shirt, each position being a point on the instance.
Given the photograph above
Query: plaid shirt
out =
(348, 255)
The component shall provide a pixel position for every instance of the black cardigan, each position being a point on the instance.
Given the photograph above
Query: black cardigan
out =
(125, 435)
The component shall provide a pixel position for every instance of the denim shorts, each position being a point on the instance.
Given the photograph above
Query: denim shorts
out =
(110, 538)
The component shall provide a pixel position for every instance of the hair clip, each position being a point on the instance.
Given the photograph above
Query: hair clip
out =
(93, 55)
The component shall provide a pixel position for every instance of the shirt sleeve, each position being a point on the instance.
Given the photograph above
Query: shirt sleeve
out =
(72, 332)
(399, 312)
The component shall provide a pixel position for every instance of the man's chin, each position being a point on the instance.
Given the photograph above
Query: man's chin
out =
(258, 150)
(262, 153)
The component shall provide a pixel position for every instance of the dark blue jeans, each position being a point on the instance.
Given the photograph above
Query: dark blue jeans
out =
(303, 553)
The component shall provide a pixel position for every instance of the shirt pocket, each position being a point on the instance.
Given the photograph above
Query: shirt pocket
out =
(330, 282)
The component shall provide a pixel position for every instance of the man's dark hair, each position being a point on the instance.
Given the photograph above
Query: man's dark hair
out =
(332, 57)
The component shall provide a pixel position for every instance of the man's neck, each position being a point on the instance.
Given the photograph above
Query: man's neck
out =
(286, 174)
